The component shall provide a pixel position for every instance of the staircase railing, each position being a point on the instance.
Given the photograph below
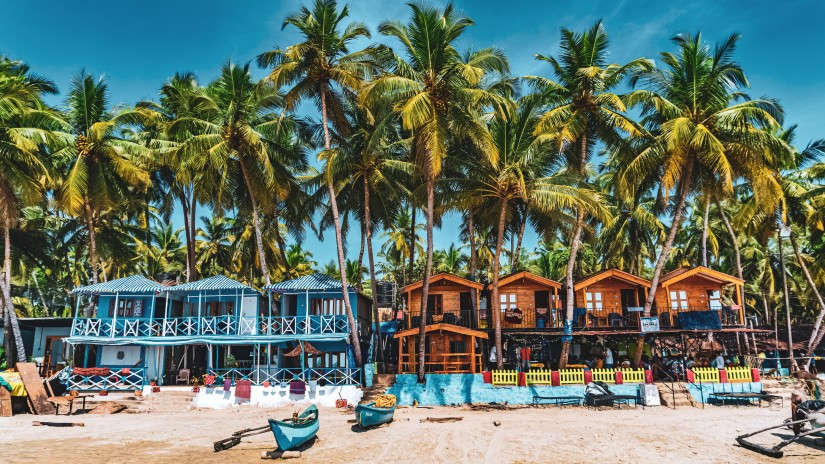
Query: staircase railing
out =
(671, 387)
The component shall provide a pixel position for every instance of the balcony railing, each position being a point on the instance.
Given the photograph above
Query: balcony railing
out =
(442, 363)
(276, 376)
(103, 378)
(212, 325)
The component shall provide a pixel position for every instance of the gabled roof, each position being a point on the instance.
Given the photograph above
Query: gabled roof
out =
(131, 284)
(315, 281)
(218, 282)
(444, 276)
(439, 327)
(684, 272)
(608, 273)
(529, 276)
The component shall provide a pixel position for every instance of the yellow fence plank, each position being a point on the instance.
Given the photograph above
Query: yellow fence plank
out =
(633, 375)
(540, 377)
(706, 374)
(571, 376)
(604, 375)
(739, 374)
(505, 378)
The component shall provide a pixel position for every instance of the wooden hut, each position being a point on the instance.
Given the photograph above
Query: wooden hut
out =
(449, 349)
(450, 301)
(699, 289)
(610, 298)
(527, 301)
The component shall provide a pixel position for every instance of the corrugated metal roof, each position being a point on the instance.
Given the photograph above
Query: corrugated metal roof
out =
(310, 282)
(133, 284)
(218, 282)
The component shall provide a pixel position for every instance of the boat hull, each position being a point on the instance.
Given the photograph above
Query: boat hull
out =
(368, 415)
(291, 435)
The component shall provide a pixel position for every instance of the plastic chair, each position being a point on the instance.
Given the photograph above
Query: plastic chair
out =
(182, 377)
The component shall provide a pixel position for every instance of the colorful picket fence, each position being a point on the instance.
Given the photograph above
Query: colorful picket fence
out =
(505, 378)
(739, 374)
(571, 376)
(633, 375)
(604, 375)
(539, 377)
(706, 374)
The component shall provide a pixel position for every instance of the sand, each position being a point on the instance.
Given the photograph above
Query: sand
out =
(525, 435)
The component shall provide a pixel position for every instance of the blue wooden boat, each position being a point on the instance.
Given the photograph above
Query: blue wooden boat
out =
(290, 434)
(370, 415)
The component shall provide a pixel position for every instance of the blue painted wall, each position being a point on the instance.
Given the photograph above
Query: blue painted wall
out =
(103, 303)
(303, 306)
(701, 393)
(454, 389)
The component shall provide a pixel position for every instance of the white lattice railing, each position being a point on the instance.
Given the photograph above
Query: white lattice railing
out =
(116, 379)
(211, 325)
(275, 376)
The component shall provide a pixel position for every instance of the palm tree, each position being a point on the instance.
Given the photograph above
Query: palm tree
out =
(212, 246)
(583, 111)
(237, 135)
(105, 168)
(437, 93)
(451, 260)
(318, 67)
(703, 139)
(26, 126)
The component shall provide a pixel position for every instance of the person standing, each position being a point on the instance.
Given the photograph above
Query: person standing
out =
(719, 361)
(608, 358)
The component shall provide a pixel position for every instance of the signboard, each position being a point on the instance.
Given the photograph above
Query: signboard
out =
(649, 324)
(635, 309)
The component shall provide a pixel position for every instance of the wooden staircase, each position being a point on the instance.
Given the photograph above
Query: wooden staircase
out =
(379, 387)
(679, 399)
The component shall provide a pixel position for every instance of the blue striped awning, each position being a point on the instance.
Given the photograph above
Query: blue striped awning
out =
(218, 282)
(317, 282)
(131, 284)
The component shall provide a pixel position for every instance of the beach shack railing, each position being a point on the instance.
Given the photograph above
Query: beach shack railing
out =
(571, 376)
(505, 378)
(706, 374)
(282, 376)
(604, 375)
(104, 378)
(739, 374)
(539, 377)
(632, 375)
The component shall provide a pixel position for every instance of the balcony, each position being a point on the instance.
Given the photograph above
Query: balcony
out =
(209, 326)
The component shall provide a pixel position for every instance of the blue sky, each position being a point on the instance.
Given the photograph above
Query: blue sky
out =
(138, 45)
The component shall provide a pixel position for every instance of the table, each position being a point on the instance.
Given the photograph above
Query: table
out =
(721, 397)
(558, 400)
(67, 400)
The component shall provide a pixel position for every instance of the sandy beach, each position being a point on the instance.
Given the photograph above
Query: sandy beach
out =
(525, 435)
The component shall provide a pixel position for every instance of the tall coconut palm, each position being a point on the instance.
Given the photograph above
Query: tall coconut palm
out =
(320, 67)
(105, 167)
(520, 174)
(26, 125)
(237, 134)
(704, 140)
(584, 111)
(438, 95)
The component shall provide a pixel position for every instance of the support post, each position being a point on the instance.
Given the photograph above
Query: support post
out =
(114, 316)
(269, 319)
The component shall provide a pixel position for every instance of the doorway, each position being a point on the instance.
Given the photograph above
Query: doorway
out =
(52, 356)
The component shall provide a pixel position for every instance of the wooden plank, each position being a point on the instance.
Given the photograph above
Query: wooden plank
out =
(108, 408)
(57, 424)
(5, 403)
(34, 386)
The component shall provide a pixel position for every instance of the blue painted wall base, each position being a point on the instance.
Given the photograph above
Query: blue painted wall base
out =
(455, 389)
(701, 393)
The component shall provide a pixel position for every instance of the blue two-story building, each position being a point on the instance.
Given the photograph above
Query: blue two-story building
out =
(213, 329)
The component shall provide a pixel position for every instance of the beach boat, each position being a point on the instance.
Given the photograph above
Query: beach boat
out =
(370, 415)
(290, 434)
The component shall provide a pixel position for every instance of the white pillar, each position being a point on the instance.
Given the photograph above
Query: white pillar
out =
(114, 315)
(306, 312)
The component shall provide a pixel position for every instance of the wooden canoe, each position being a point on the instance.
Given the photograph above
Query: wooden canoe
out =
(291, 434)
(369, 415)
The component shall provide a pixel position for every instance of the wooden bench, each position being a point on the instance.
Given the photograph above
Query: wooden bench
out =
(67, 400)
(721, 397)
(558, 400)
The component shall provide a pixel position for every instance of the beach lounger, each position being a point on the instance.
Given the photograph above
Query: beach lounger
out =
(558, 400)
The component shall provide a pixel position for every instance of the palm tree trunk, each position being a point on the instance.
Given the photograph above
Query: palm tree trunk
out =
(816, 333)
(90, 224)
(184, 203)
(339, 240)
(514, 263)
(40, 293)
(412, 242)
(280, 239)
(361, 250)
(428, 269)
(705, 234)
(259, 241)
(193, 231)
(11, 317)
(737, 257)
(567, 338)
(787, 296)
(471, 266)
(684, 190)
(371, 261)
(494, 299)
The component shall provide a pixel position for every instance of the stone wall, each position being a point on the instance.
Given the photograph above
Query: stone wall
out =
(454, 389)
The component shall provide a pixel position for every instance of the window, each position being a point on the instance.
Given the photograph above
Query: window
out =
(508, 301)
(678, 299)
(326, 306)
(435, 304)
(458, 346)
(593, 300)
(126, 307)
(715, 299)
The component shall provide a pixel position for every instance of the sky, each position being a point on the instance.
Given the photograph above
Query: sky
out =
(138, 45)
